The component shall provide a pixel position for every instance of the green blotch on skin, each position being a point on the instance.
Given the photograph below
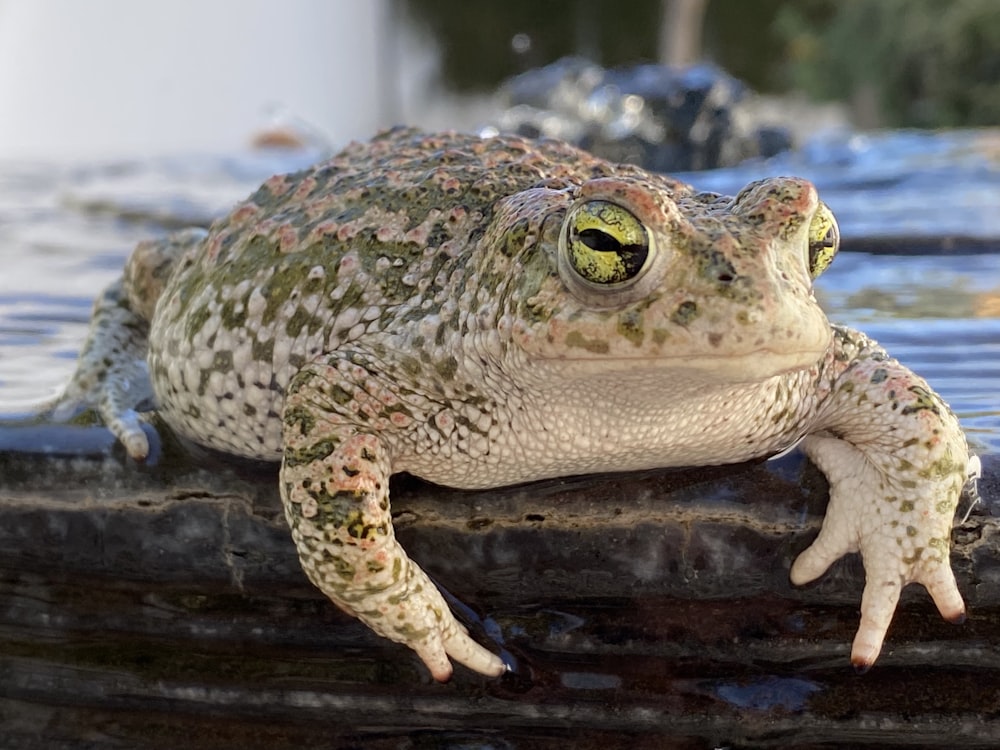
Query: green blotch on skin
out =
(410, 365)
(924, 400)
(940, 545)
(223, 362)
(298, 417)
(942, 468)
(310, 454)
(300, 320)
(685, 313)
(262, 351)
(195, 321)
(630, 326)
(342, 568)
(340, 395)
(231, 320)
(595, 346)
(514, 239)
(339, 510)
(447, 368)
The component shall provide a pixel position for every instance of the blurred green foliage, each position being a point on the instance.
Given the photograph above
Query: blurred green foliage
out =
(922, 63)
(478, 45)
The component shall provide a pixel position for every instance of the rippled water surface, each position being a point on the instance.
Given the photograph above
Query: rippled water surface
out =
(65, 233)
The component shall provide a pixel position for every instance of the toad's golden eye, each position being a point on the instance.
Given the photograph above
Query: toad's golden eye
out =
(606, 244)
(824, 240)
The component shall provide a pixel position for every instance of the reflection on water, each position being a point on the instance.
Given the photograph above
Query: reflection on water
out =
(65, 234)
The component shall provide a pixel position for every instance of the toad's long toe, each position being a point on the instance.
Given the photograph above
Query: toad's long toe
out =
(878, 603)
(465, 650)
(452, 640)
(940, 583)
(831, 544)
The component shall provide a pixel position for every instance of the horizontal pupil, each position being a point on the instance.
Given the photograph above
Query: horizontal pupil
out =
(600, 241)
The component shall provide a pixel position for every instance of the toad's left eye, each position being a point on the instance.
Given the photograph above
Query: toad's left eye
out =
(605, 243)
(824, 240)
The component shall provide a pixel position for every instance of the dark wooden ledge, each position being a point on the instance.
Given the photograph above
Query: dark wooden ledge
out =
(163, 605)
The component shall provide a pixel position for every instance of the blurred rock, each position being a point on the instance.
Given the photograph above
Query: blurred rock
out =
(665, 119)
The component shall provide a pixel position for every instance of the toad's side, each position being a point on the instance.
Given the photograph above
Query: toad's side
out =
(482, 312)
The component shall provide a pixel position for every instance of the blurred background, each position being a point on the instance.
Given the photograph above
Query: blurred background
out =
(114, 77)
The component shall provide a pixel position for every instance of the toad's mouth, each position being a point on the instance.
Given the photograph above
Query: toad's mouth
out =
(752, 366)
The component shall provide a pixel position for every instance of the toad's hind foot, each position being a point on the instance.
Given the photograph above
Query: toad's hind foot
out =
(111, 375)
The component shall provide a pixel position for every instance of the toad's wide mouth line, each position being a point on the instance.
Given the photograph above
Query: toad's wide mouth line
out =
(751, 366)
(809, 356)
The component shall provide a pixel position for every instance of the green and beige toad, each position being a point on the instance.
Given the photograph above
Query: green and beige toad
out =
(481, 312)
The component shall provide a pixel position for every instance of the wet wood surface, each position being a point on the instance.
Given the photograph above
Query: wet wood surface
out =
(163, 606)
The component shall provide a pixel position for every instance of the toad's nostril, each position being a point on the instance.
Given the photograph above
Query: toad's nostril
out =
(726, 278)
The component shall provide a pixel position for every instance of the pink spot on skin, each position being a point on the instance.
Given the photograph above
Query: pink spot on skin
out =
(244, 213)
(288, 238)
(418, 234)
(304, 189)
(324, 229)
(349, 230)
(264, 228)
(277, 185)
(214, 247)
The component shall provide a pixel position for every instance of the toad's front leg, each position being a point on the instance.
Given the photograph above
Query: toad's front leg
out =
(896, 460)
(335, 490)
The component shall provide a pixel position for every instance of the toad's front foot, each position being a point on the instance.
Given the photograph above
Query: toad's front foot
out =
(335, 489)
(903, 537)
(415, 614)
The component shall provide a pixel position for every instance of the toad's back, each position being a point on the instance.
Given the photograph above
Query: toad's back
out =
(373, 240)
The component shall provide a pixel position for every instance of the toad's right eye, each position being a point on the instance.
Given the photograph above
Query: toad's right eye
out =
(606, 245)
